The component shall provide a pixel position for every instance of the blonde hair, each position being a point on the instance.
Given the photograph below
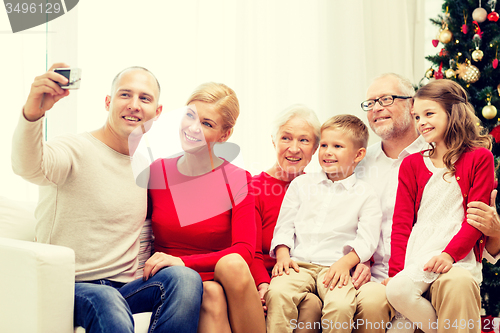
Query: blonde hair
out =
(223, 97)
(462, 132)
(351, 125)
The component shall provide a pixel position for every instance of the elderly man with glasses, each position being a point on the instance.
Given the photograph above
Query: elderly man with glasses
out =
(454, 295)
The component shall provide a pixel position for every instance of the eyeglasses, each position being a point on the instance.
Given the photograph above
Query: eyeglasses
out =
(383, 101)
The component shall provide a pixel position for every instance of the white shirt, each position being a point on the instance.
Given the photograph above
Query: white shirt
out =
(321, 221)
(492, 260)
(381, 172)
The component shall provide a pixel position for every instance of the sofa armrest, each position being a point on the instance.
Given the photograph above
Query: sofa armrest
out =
(36, 287)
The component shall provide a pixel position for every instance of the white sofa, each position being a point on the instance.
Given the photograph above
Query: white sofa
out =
(37, 280)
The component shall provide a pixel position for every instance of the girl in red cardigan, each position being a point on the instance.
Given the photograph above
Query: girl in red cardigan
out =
(203, 214)
(430, 234)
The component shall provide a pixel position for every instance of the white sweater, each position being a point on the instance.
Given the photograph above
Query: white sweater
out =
(89, 200)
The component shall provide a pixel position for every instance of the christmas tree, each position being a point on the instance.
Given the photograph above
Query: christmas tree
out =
(468, 42)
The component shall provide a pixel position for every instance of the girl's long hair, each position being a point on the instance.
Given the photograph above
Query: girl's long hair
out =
(464, 132)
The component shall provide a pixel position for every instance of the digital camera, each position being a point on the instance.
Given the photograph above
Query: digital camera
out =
(74, 76)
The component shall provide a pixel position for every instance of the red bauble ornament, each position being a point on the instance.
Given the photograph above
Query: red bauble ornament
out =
(495, 63)
(465, 29)
(435, 42)
(495, 133)
(438, 75)
(493, 16)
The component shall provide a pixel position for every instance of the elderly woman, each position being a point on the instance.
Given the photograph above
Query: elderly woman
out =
(295, 137)
(203, 215)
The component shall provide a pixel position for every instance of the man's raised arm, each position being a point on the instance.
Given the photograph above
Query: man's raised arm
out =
(30, 158)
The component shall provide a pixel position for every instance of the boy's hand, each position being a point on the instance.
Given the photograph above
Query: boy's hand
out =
(439, 264)
(284, 265)
(338, 274)
(283, 261)
(361, 275)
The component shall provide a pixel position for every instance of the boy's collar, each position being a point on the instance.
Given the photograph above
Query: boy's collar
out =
(347, 182)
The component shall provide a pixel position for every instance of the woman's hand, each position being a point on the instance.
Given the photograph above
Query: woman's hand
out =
(386, 281)
(262, 289)
(439, 264)
(157, 261)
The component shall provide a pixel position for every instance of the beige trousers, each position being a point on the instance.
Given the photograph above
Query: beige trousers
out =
(287, 291)
(456, 298)
(454, 295)
(373, 311)
(309, 315)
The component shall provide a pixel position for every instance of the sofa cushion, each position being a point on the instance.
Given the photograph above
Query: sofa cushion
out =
(17, 219)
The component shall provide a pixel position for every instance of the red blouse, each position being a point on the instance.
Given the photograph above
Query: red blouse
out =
(269, 194)
(475, 176)
(203, 218)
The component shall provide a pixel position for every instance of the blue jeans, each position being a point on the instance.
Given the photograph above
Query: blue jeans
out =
(173, 294)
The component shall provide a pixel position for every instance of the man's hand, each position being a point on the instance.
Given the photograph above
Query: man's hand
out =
(283, 261)
(157, 261)
(262, 289)
(361, 275)
(483, 217)
(44, 93)
(386, 281)
(439, 264)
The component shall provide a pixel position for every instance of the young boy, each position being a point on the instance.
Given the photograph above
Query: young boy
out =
(328, 222)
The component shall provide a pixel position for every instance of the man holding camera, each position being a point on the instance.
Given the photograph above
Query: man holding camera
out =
(89, 201)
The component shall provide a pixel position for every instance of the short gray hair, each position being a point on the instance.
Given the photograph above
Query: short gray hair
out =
(405, 86)
(297, 111)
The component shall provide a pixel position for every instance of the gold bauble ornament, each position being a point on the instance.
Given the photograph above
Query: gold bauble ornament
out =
(477, 55)
(424, 81)
(450, 73)
(479, 15)
(429, 73)
(489, 111)
(445, 36)
(468, 73)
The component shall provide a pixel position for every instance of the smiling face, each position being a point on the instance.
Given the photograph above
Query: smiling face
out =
(134, 101)
(294, 146)
(202, 123)
(391, 121)
(338, 156)
(431, 120)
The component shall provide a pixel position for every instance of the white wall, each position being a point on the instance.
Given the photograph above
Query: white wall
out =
(322, 53)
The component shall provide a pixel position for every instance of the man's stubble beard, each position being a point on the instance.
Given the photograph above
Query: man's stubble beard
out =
(399, 128)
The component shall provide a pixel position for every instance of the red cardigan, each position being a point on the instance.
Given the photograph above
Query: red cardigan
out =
(201, 219)
(475, 176)
(269, 193)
